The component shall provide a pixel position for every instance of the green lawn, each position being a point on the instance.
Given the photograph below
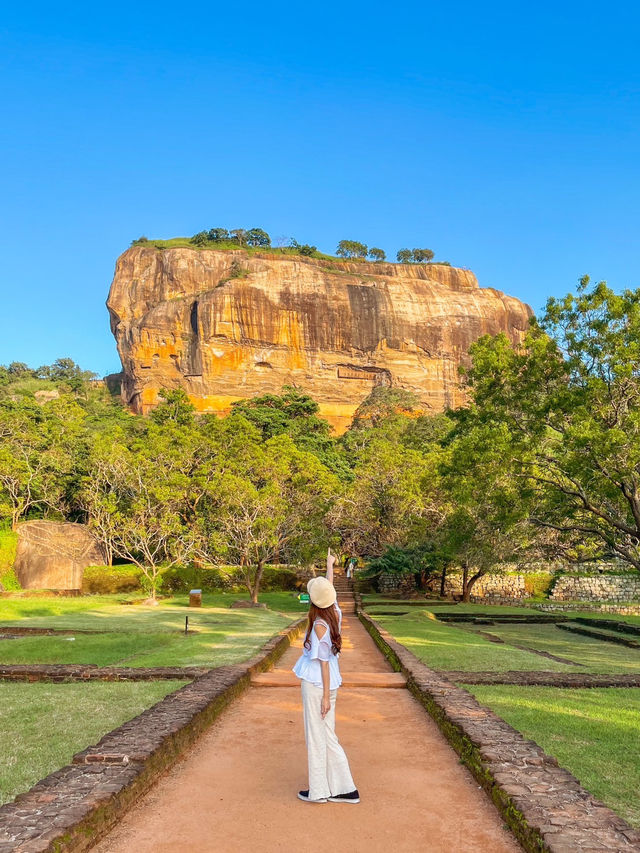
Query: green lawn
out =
(594, 733)
(447, 647)
(462, 647)
(594, 655)
(139, 635)
(44, 725)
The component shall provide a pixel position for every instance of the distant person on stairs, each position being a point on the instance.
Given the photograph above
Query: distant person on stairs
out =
(329, 775)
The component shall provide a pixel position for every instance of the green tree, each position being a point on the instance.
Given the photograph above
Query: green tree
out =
(351, 249)
(176, 406)
(570, 402)
(37, 444)
(275, 509)
(304, 248)
(383, 402)
(421, 256)
(377, 254)
(217, 235)
(239, 236)
(404, 256)
(483, 521)
(258, 238)
(296, 414)
(134, 497)
(200, 239)
(389, 501)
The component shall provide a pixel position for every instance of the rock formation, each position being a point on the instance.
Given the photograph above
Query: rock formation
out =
(230, 325)
(53, 555)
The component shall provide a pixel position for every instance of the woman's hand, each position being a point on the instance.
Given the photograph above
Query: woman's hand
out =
(325, 706)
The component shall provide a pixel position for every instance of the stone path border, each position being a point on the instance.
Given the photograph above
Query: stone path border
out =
(543, 804)
(599, 635)
(61, 672)
(70, 809)
(608, 624)
(543, 679)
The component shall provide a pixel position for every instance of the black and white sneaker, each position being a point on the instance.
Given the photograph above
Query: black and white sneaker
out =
(304, 796)
(351, 797)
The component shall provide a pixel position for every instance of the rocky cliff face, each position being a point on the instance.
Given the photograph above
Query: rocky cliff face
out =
(227, 325)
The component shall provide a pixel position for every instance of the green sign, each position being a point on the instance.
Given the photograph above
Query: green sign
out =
(304, 596)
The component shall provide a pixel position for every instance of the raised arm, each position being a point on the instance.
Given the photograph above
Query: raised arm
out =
(331, 559)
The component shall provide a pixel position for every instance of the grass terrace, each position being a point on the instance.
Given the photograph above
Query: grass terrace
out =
(44, 725)
(594, 733)
(114, 630)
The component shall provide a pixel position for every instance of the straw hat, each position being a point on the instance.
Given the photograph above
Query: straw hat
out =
(321, 592)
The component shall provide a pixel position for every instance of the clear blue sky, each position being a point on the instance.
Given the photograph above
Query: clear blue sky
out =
(505, 136)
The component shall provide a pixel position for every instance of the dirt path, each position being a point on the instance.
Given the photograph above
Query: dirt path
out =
(236, 788)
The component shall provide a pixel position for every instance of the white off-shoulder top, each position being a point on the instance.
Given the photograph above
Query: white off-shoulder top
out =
(308, 664)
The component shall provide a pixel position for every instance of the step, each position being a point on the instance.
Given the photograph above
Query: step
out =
(286, 678)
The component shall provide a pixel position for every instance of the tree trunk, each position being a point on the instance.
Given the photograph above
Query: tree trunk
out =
(256, 585)
(443, 579)
(469, 582)
(466, 589)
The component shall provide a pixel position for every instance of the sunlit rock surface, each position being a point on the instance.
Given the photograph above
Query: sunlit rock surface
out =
(227, 325)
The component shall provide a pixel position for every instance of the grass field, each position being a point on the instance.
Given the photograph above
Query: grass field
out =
(44, 725)
(593, 655)
(594, 733)
(462, 647)
(139, 635)
(447, 647)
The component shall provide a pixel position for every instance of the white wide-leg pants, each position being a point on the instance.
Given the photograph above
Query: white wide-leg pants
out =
(329, 773)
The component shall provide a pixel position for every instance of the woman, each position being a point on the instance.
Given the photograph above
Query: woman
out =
(319, 672)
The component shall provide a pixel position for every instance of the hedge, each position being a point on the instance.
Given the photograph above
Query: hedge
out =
(215, 578)
(105, 579)
(180, 579)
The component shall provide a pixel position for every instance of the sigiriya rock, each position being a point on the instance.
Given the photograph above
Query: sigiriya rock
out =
(226, 325)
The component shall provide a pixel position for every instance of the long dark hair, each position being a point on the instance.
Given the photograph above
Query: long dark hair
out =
(330, 616)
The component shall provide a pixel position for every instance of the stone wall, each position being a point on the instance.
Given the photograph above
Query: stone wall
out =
(601, 588)
(395, 584)
(490, 588)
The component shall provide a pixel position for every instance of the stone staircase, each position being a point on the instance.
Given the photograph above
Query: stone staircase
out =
(344, 588)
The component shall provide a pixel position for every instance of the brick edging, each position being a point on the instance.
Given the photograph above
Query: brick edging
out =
(72, 808)
(542, 678)
(66, 672)
(543, 804)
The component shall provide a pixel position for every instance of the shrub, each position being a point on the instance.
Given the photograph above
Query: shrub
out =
(181, 579)
(200, 239)
(9, 582)
(306, 249)
(101, 580)
(537, 584)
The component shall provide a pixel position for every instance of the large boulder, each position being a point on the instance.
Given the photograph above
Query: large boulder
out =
(229, 325)
(53, 555)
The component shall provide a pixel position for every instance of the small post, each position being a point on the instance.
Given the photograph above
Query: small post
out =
(186, 624)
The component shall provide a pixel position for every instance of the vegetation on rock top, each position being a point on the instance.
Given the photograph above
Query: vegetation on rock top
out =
(254, 240)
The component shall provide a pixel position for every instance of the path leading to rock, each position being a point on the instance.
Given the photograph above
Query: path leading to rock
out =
(235, 790)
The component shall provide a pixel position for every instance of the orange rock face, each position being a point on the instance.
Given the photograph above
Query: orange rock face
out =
(228, 325)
